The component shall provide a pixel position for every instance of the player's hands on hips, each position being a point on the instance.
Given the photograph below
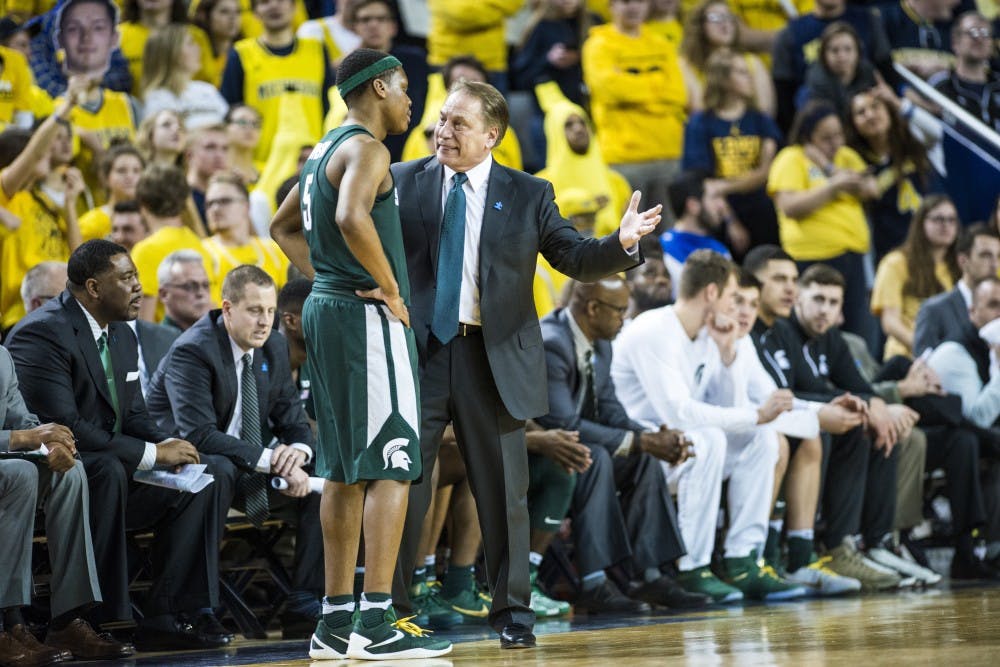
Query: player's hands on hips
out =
(393, 302)
(635, 225)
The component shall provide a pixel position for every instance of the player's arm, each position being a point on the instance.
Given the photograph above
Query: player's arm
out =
(367, 165)
(287, 232)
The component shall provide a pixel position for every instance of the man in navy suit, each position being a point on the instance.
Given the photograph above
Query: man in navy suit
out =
(473, 230)
(199, 392)
(77, 364)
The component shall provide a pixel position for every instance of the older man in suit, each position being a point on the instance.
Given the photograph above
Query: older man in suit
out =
(234, 356)
(56, 480)
(946, 316)
(77, 364)
(472, 231)
(636, 522)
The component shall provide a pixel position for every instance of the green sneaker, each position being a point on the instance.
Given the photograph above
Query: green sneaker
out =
(701, 580)
(428, 605)
(393, 638)
(542, 604)
(331, 643)
(470, 604)
(758, 581)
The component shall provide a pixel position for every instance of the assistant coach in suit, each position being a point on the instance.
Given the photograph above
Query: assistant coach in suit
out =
(77, 365)
(472, 230)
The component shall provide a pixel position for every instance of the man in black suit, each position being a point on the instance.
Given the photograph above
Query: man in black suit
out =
(946, 316)
(210, 360)
(154, 342)
(77, 365)
(473, 230)
(582, 398)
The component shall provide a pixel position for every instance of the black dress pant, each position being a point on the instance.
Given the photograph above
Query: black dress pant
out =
(457, 385)
(185, 551)
(956, 450)
(650, 516)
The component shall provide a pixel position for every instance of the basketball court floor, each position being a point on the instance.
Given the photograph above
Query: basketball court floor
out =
(941, 627)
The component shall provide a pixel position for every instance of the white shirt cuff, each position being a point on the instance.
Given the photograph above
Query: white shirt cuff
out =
(305, 449)
(625, 448)
(633, 251)
(264, 462)
(148, 459)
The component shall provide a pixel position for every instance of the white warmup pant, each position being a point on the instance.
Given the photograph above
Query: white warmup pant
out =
(747, 460)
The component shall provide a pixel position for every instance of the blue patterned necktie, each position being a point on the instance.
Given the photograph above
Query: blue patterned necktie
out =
(252, 484)
(451, 252)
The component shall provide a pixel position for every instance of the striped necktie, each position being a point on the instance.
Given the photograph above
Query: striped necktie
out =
(253, 485)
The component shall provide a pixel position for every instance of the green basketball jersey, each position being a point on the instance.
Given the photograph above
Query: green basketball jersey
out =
(337, 269)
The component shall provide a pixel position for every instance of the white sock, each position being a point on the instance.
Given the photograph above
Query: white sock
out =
(804, 534)
(367, 604)
(776, 524)
(330, 608)
(535, 558)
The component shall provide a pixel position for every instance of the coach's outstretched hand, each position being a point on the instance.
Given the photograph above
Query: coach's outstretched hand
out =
(635, 225)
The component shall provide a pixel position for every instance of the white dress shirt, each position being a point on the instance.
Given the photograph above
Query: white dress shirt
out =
(148, 459)
(475, 208)
(235, 427)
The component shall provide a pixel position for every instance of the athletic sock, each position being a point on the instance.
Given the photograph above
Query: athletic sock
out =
(800, 549)
(592, 580)
(430, 564)
(338, 610)
(458, 578)
(373, 608)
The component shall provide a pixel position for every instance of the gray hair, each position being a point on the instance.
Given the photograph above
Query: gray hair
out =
(185, 256)
(34, 280)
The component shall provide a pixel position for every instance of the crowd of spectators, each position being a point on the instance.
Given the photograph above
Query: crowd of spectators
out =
(146, 144)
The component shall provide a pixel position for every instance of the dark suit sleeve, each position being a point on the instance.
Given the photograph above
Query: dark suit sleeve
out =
(45, 372)
(929, 330)
(286, 416)
(586, 260)
(844, 371)
(188, 380)
(562, 405)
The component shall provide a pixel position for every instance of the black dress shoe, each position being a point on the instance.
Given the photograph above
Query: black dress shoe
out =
(668, 593)
(607, 599)
(516, 635)
(300, 626)
(971, 568)
(178, 635)
(211, 631)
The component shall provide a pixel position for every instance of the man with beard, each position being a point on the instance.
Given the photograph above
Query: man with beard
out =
(699, 213)
(650, 283)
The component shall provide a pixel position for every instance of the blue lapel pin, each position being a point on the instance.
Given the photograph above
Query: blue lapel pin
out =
(498, 205)
(263, 367)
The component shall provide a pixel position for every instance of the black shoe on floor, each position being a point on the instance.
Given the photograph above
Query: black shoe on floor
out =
(971, 568)
(607, 599)
(213, 632)
(297, 626)
(668, 593)
(516, 635)
(176, 635)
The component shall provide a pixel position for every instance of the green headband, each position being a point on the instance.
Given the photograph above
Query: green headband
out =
(370, 72)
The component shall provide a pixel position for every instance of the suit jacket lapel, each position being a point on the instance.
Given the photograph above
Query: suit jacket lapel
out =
(229, 380)
(119, 362)
(88, 346)
(428, 183)
(500, 201)
(262, 371)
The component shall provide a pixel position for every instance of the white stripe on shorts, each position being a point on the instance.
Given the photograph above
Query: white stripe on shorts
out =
(379, 397)
(406, 390)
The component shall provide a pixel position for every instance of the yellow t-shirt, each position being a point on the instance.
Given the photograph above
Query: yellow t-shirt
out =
(148, 253)
(470, 27)
(837, 227)
(95, 224)
(670, 29)
(40, 238)
(15, 85)
(887, 292)
(133, 43)
(111, 120)
(268, 78)
(262, 253)
(548, 287)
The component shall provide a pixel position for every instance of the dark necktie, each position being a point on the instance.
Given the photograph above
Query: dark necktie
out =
(589, 406)
(109, 375)
(252, 484)
(451, 253)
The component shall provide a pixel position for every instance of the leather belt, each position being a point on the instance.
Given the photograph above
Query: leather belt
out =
(468, 329)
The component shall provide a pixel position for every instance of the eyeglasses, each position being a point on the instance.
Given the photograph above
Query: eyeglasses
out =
(720, 17)
(373, 19)
(978, 33)
(621, 310)
(943, 219)
(245, 122)
(221, 201)
(192, 287)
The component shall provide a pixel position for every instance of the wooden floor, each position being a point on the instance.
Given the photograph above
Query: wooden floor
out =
(935, 627)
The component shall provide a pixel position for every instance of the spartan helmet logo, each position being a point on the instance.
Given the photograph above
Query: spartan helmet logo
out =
(394, 456)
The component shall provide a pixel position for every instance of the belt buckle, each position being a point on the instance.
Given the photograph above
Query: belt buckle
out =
(465, 329)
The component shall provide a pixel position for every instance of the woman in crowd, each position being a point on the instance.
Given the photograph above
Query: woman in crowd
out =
(840, 71)
(161, 138)
(818, 185)
(121, 168)
(886, 140)
(220, 20)
(243, 128)
(926, 264)
(709, 27)
(172, 58)
(141, 18)
(735, 143)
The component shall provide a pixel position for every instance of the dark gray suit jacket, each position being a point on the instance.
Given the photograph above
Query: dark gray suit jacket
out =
(565, 384)
(14, 415)
(154, 343)
(193, 393)
(520, 220)
(942, 317)
(62, 379)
